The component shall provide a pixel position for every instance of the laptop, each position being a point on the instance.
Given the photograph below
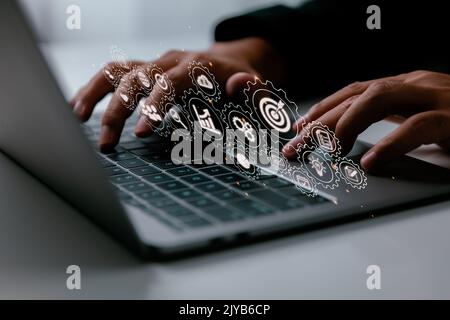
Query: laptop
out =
(154, 207)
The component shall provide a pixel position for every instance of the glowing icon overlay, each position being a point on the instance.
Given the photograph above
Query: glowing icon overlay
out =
(275, 115)
(352, 174)
(205, 120)
(204, 82)
(151, 112)
(322, 137)
(176, 117)
(144, 79)
(124, 97)
(243, 126)
(243, 161)
(317, 165)
(161, 82)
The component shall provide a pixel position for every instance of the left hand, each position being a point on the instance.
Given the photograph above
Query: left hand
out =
(421, 98)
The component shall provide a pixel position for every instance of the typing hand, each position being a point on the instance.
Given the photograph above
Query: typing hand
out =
(420, 98)
(233, 64)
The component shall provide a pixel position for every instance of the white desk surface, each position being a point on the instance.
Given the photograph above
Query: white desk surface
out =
(40, 236)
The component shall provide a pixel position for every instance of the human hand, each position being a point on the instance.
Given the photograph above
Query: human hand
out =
(421, 98)
(232, 63)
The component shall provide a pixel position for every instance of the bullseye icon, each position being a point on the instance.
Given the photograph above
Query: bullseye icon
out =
(274, 114)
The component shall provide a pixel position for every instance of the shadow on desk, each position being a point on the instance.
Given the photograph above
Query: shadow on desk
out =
(41, 239)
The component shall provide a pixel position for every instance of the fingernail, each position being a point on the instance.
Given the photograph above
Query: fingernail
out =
(107, 138)
(369, 160)
(300, 122)
(79, 108)
(142, 128)
(288, 150)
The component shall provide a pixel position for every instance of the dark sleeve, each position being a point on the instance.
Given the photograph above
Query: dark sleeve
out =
(327, 44)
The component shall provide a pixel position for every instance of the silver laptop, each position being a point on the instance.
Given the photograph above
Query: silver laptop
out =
(159, 209)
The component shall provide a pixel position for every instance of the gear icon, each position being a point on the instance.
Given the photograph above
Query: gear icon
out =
(322, 137)
(119, 67)
(205, 117)
(319, 166)
(303, 182)
(152, 113)
(174, 119)
(160, 79)
(144, 79)
(204, 81)
(273, 108)
(279, 162)
(240, 120)
(243, 160)
(351, 173)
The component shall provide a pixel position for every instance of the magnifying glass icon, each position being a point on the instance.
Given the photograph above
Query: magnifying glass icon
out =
(176, 117)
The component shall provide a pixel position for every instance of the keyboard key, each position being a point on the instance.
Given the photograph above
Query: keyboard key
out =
(224, 214)
(172, 185)
(125, 178)
(228, 195)
(132, 145)
(196, 179)
(141, 152)
(153, 158)
(131, 163)
(246, 185)
(276, 200)
(278, 183)
(201, 165)
(158, 178)
(210, 187)
(179, 211)
(119, 156)
(114, 171)
(137, 186)
(150, 195)
(215, 171)
(203, 202)
(145, 170)
(181, 171)
(163, 203)
(106, 164)
(230, 178)
(186, 194)
(252, 208)
(164, 165)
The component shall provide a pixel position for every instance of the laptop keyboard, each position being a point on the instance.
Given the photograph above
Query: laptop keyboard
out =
(192, 196)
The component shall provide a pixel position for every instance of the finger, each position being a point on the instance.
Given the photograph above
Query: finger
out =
(237, 82)
(97, 88)
(423, 128)
(335, 99)
(329, 119)
(149, 119)
(338, 97)
(121, 106)
(380, 100)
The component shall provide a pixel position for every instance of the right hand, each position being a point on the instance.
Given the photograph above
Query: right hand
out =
(232, 63)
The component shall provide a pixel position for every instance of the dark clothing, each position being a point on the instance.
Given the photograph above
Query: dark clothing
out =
(327, 44)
